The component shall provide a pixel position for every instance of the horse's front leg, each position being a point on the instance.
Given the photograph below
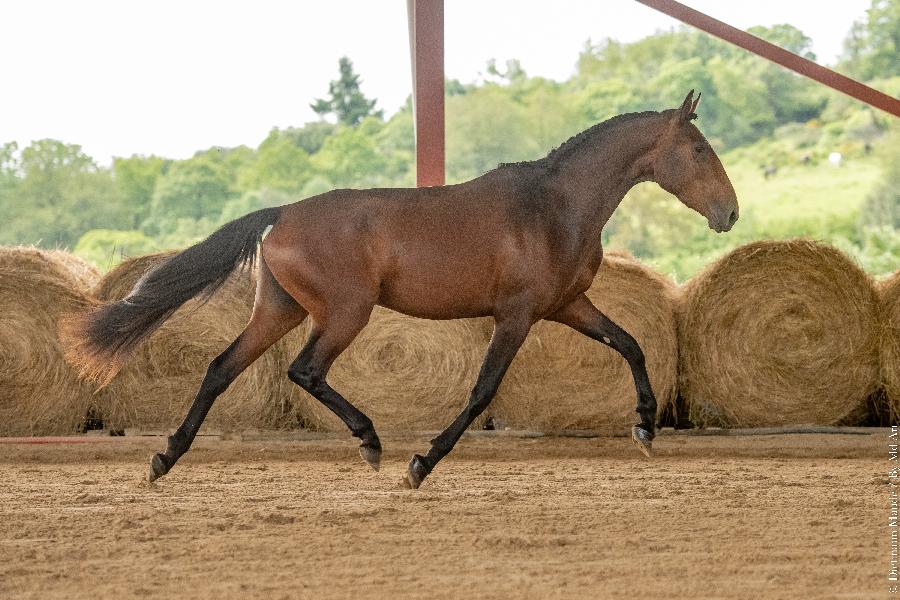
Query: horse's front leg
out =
(582, 316)
(505, 342)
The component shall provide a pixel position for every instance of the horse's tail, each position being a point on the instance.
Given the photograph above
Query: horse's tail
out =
(100, 340)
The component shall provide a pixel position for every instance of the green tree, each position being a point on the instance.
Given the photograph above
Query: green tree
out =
(486, 127)
(279, 165)
(872, 47)
(136, 179)
(61, 194)
(351, 158)
(346, 100)
(310, 137)
(191, 189)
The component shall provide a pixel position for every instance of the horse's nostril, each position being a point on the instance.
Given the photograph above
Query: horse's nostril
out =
(733, 217)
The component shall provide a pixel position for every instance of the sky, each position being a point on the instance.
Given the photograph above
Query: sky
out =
(173, 77)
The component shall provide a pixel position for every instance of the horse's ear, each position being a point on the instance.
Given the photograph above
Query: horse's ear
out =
(686, 109)
(695, 104)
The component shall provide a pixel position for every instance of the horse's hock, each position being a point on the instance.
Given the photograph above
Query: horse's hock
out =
(779, 333)
(561, 379)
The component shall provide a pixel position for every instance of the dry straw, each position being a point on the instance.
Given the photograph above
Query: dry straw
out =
(405, 373)
(778, 333)
(158, 384)
(59, 262)
(39, 393)
(889, 292)
(563, 380)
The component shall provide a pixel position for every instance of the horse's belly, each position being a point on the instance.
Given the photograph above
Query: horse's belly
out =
(436, 297)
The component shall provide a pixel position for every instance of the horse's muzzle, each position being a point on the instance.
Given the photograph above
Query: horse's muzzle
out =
(724, 219)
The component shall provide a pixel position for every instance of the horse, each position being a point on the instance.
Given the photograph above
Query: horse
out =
(520, 243)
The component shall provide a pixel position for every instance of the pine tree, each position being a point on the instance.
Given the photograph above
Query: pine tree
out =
(346, 100)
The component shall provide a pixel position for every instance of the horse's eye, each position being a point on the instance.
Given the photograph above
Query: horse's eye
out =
(699, 149)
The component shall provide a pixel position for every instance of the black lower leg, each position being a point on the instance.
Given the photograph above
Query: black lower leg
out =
(584, 317)
(311, 377)
(214, 384)
(503, 348)
(620, 340)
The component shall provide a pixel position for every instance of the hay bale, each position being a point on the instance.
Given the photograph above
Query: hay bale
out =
(158, 384)
(889, 296)
(39, 393)
(406, 374)
(59, 262)
(561, 379)
(83, 272)
(778, 333)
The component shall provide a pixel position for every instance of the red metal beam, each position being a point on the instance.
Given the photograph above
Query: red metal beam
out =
(776, 54)
(426, 40)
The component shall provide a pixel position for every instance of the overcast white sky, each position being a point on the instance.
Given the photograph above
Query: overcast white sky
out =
(172, 77)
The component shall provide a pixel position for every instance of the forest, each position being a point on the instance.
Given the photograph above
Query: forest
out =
(774, 131)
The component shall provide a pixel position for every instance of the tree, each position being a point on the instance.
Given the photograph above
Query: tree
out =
(873, 44)
(346, 100)
(310, 137)
(136, 179)
(280, 165)
(350, 157)
(61, 194)
(191, 189)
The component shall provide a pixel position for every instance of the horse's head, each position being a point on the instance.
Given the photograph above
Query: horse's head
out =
(685, 165)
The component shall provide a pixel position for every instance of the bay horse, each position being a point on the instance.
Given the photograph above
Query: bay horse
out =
(520, 243)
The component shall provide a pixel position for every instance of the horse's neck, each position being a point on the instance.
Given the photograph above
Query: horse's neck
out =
(595, 177)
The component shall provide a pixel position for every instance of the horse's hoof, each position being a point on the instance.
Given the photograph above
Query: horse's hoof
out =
(158, 467)
(416, 473)
(643, 439)
(371, 455)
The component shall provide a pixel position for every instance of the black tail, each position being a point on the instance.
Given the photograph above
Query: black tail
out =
(99, 341)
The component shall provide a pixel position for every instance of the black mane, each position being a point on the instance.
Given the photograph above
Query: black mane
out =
(575, 142)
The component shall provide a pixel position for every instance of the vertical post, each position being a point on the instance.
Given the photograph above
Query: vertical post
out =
(426, 41)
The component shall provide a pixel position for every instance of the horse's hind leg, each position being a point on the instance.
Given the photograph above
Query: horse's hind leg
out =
(582, 316)
(274, 314)
(326, 342)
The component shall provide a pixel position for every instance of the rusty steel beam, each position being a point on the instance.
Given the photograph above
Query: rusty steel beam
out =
(426, 42)
(776, 54)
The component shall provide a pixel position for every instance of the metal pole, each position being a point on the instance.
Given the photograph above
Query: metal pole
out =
(426, 35)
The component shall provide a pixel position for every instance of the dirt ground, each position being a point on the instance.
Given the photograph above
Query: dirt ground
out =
(786, 516)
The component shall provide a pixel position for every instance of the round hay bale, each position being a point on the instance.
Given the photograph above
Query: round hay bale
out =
(778, 333)
(406, 374)
(59, 262)
(561, 379)
(157, 386)
(39, 393)
(889, 295)
(83, 272)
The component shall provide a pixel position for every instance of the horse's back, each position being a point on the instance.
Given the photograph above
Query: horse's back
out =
(428, 252)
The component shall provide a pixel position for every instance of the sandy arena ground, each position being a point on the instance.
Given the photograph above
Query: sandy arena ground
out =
(786, 516)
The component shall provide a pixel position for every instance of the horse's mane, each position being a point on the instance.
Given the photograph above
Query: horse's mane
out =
(577, 140)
